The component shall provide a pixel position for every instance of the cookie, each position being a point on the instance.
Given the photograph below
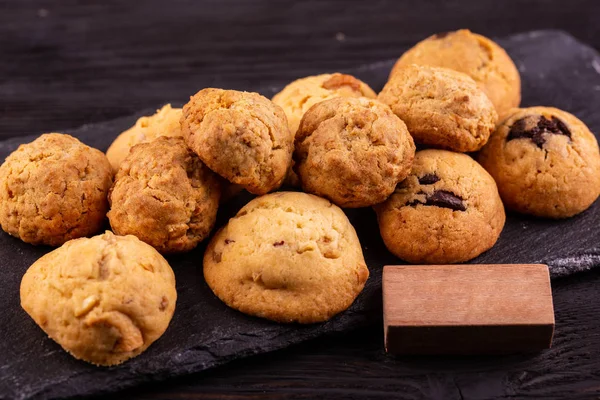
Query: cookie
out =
(164, 195)
(352, 151)
(447, 211)
(103, 299)
(475, 55)
(241, 136)
(306, 267)
(545, 161)
(300, 95)
(441, 107)
(164, 123)
(54, 189)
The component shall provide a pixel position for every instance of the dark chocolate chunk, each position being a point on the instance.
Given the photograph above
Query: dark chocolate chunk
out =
(444, 199)
(277, 244)
(428, 179)
(537, 134)
(441, 35)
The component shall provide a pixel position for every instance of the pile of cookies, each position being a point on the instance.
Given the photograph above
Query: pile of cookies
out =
(289, 256)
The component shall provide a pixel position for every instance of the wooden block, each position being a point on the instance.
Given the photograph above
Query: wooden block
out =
(467, 309)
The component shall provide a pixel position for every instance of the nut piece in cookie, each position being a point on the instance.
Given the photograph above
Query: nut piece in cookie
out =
(287, 257)
(241, 136)
(545, 162)
(103, 299)
(447, 211)
(441, 107)
(53, 190)
(352, 151)
(164, 123)
(164, 195)
(300, 95)
(475, 55)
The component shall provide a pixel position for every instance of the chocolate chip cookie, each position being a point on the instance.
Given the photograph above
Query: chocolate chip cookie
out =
(448, 210)
(475, 55)
(241, 136)
(164, 123)
(352, 151)
(300, 95)
(306, 267)
(103, 299)
(441, 107)
(164, 195)
(545, 161)
(54, 189)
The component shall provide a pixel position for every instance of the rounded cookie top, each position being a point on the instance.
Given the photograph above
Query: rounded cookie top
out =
(165, 122)
(241, 136)
(475, 55)
(300, 95)
(164, 195)
(352, 151)
(441, 107)
(306, 267)
(103, 299)
(545, 161)
(448, 210)
(54, 189)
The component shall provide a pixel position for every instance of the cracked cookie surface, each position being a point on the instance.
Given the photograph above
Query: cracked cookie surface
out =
(165, 122)
(104, 299)
(54, 189)
(352, 151)
(475, 55)
(287, 257)
(441, 107)
(546, 162)
(241, 136)
(300, 95)
(448, 210)
(164, 195)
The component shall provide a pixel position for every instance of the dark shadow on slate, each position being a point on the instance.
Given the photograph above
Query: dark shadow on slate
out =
(556, 70)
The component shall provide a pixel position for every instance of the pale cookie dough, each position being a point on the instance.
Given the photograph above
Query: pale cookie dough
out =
(287, 257)
(545, 161)
(300, 95)
(441, 107)
(164, 123)
(54, 189)
(447, 211)
(242, 136)
(352, 151)
(164, 195)
(475, 55)
(103, 299)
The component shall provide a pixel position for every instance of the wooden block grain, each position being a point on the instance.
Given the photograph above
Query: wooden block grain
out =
(467, 309)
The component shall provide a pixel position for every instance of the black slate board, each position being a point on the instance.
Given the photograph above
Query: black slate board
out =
(556, 70)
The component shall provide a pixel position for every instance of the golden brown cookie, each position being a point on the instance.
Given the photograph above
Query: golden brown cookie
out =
(164, 123)
(300, 95)
(54, 189)
(447, 211)
(352, 151)
(545, 161)
(475, 55)
(441, 107)
(288, 257)
(103, 299)
(164, 195)
(241, 136)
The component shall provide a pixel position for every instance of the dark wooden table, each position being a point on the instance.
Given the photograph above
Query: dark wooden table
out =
(63, 64)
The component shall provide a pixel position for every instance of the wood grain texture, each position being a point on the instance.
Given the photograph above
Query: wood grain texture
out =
(131, 55)
(467, 309)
